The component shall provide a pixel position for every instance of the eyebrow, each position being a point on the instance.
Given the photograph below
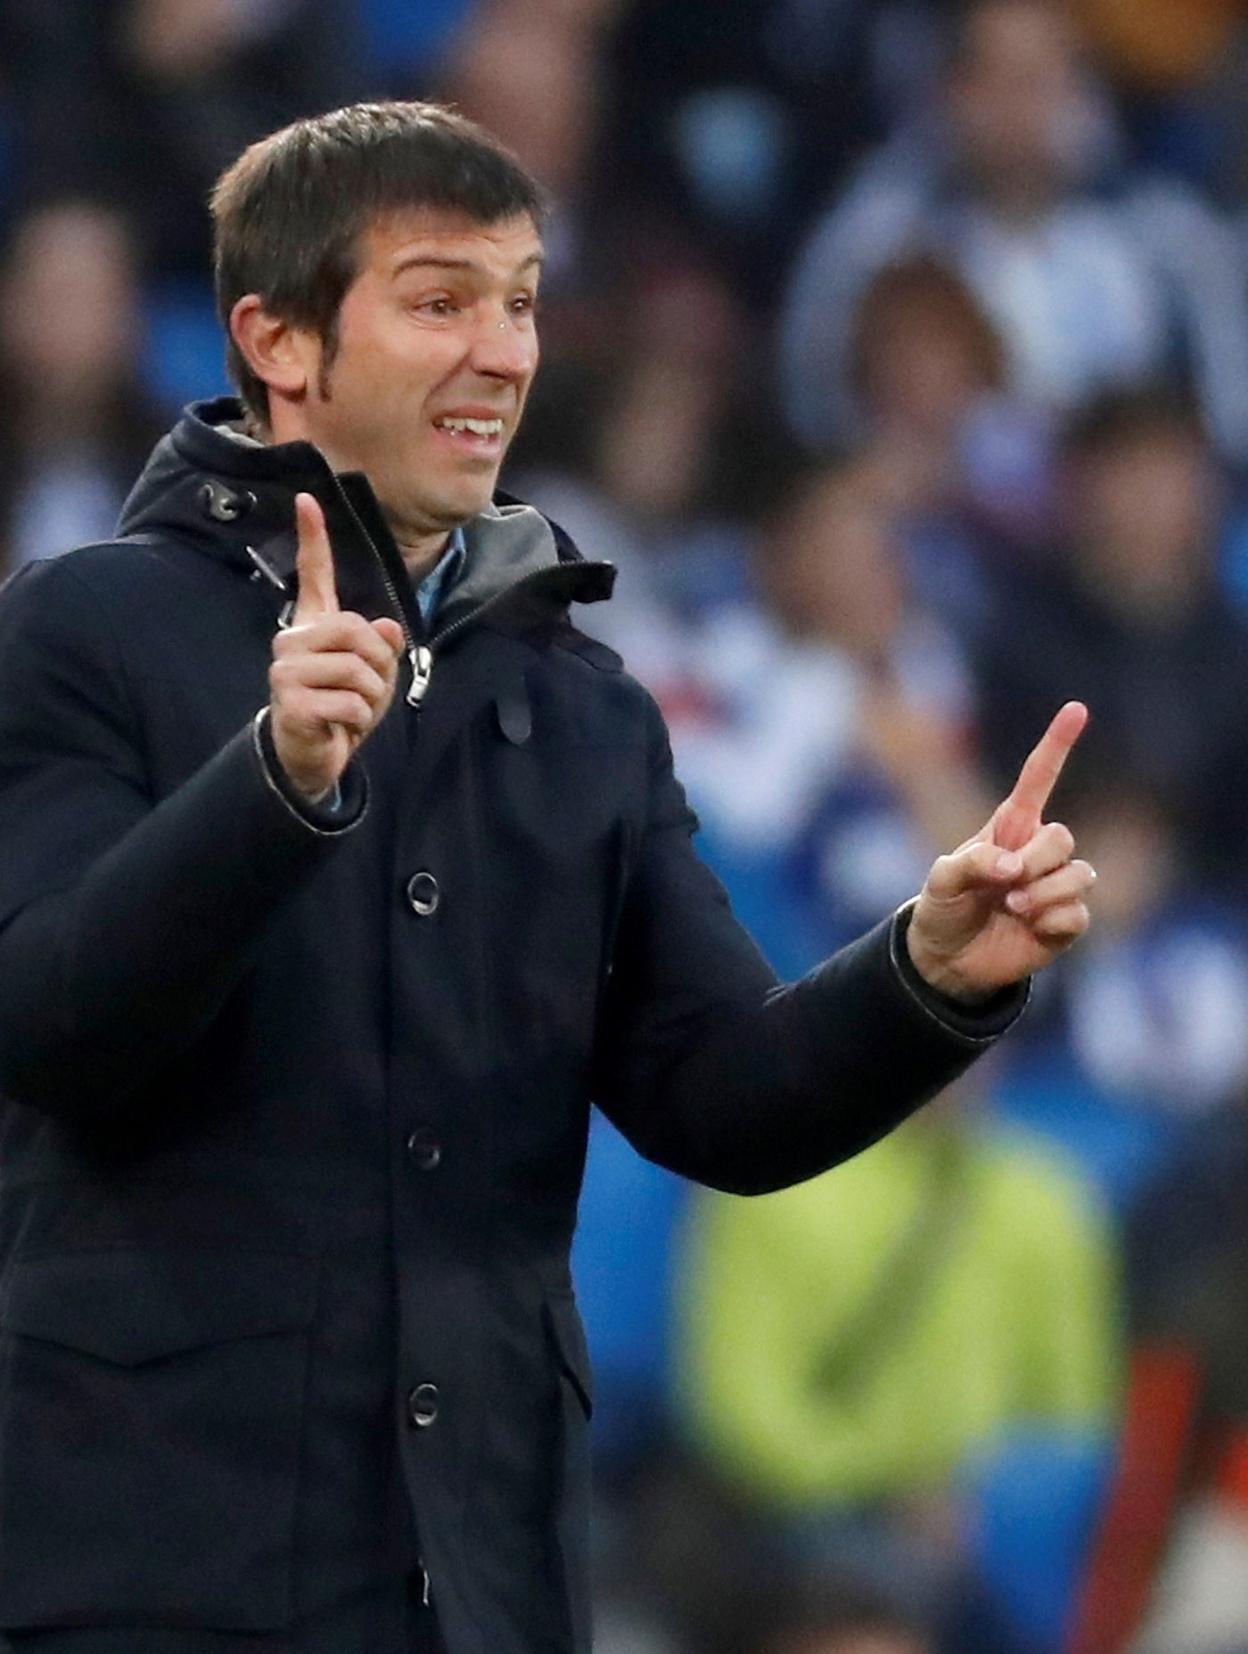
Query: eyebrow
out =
(431, 261)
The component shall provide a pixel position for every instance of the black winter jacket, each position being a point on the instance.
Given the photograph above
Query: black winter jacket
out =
(298, 1102)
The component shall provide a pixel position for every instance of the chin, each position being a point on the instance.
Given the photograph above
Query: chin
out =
(470, 502)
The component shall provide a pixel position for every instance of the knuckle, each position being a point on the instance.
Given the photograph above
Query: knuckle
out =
(941, 872)
(979, 861)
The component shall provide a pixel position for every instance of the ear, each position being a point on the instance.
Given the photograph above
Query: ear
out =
(281, 355)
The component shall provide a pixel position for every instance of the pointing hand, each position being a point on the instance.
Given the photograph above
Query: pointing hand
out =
(1009, 900)
(333, 673)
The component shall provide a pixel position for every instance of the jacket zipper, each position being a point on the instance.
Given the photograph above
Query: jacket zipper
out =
(419, 656)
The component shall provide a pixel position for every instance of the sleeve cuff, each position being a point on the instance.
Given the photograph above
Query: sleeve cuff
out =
(342, 810)
(975, 1024)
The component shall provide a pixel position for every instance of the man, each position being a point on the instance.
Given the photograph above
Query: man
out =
(1095, 278)
(301, 1010)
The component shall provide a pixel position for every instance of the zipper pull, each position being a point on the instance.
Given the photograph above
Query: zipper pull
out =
(421, 658)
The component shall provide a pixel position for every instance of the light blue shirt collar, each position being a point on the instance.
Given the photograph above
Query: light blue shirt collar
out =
(442, 576)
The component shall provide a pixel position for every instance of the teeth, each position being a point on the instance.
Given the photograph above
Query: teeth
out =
(478, 427)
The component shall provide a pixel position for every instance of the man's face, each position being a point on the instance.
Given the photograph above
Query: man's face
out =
(436, 350)
(1147, 510)
(1018, 99)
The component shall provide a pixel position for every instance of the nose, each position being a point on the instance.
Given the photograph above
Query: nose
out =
(505, 346)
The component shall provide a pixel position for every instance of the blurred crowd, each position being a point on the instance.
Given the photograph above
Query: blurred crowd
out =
(897, 353)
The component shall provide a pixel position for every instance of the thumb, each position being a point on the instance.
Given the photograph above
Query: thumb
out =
(390, 632)
(976, 866)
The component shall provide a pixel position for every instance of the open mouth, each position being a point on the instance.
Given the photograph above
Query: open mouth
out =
(481, 435)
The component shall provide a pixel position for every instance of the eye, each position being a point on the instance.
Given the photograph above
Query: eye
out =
(440, 304)
(524, 304)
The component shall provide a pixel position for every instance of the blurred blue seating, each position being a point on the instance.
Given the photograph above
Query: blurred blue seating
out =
(402, 36)
(9, 169)
(1121, 1142)
(1234, 552)
(1035, 1500)
(621, 1264)
(182, 356)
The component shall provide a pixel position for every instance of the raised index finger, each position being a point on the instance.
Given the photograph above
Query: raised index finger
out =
(314, 563)
(1039, 774)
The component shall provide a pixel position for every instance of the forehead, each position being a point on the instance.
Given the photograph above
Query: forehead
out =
(400, 239)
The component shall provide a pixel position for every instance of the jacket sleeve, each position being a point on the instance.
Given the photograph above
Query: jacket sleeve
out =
(125, 921)
(712, 1068)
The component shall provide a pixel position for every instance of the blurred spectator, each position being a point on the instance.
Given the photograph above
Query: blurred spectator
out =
(964, 460)
(1095, 278)
(1130, 618)
(143, 102)
(852, 1622)
(821, 732)
(74, 427)
(657, 459)
(848, 1345)
(1139, 1043)
(1170, 1571)
(923, 359)
(1178, 67)
(1164, 45)
(534, 73)
(733, 116)
(1155, 1006)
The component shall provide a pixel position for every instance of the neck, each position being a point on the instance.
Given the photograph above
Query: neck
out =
(420, 553)
(420, 548)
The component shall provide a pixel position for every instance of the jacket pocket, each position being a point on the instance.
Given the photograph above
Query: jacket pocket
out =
(151, 1410)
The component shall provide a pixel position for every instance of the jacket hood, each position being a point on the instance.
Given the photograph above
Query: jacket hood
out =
(234, 500)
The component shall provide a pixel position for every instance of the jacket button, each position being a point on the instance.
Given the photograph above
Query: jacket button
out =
(425, 1149)
(422, 1405)
(423, 893)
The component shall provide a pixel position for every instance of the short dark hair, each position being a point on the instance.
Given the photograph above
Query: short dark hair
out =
(289, 213)
(921, 285)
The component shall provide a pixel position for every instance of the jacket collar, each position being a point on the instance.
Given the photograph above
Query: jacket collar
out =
(234, 500)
